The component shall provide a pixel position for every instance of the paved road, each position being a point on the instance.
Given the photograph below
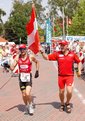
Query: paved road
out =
(45, 95)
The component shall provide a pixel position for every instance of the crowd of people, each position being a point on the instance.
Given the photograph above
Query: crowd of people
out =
(7, 54)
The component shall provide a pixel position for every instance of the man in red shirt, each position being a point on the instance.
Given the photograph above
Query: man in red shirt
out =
(65, 59)
(24, 61)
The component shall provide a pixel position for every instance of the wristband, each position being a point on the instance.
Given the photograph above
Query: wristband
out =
(42, 52)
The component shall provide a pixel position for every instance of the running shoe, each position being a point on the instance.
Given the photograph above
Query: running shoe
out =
(31, 109)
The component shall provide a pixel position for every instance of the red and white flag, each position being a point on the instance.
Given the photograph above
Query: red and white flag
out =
(32, 31)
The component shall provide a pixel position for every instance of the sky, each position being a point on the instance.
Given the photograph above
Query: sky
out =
(6, 5)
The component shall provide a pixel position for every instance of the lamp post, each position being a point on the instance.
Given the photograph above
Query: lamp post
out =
(63, 23)
(67, 25)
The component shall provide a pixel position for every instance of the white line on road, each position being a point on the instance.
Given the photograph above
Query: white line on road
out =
(80, 96)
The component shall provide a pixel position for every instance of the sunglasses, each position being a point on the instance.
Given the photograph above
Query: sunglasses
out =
(22, 49)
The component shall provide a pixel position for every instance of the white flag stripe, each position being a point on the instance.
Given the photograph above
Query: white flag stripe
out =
(31, 37)
(35, 25)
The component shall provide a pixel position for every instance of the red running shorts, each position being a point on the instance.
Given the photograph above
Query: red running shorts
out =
(65, 80)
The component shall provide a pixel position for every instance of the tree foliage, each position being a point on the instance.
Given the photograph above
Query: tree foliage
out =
(57, 5)
(2, 13)
(15, 27)
(78, 21)
(20, 15)
(56, 10)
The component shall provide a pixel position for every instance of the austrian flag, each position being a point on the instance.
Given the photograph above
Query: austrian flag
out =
(32, 31)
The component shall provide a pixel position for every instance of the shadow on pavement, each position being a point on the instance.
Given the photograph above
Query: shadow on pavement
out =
(20, 107)
(54, 104)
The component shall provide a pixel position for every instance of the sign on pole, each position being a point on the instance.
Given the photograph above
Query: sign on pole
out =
(48, 31)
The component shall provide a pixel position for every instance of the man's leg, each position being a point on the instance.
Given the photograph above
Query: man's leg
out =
(69, 88)
(61, 85)
(28, 94)
(29, 99)
(25, 100)
(61, 95)
(24, 97)
(69, 94)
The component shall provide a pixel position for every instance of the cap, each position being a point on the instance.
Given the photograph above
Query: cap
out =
(63, 42)
(22, 46)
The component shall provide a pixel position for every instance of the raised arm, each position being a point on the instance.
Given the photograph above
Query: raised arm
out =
(44, 55)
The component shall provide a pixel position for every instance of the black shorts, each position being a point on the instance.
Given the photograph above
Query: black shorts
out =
(23, 85)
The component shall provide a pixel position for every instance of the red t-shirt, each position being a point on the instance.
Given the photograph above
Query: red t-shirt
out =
(24, 65)
(65, 63)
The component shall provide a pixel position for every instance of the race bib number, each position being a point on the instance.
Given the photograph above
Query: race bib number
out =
(25, 77)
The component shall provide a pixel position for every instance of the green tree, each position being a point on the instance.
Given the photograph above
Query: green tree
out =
(69, 6)
(20, 15)
(2, 13)
(78, 21)
(58, 26)
(58, 7)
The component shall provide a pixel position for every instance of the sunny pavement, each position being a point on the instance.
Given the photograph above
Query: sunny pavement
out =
(45, 97)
